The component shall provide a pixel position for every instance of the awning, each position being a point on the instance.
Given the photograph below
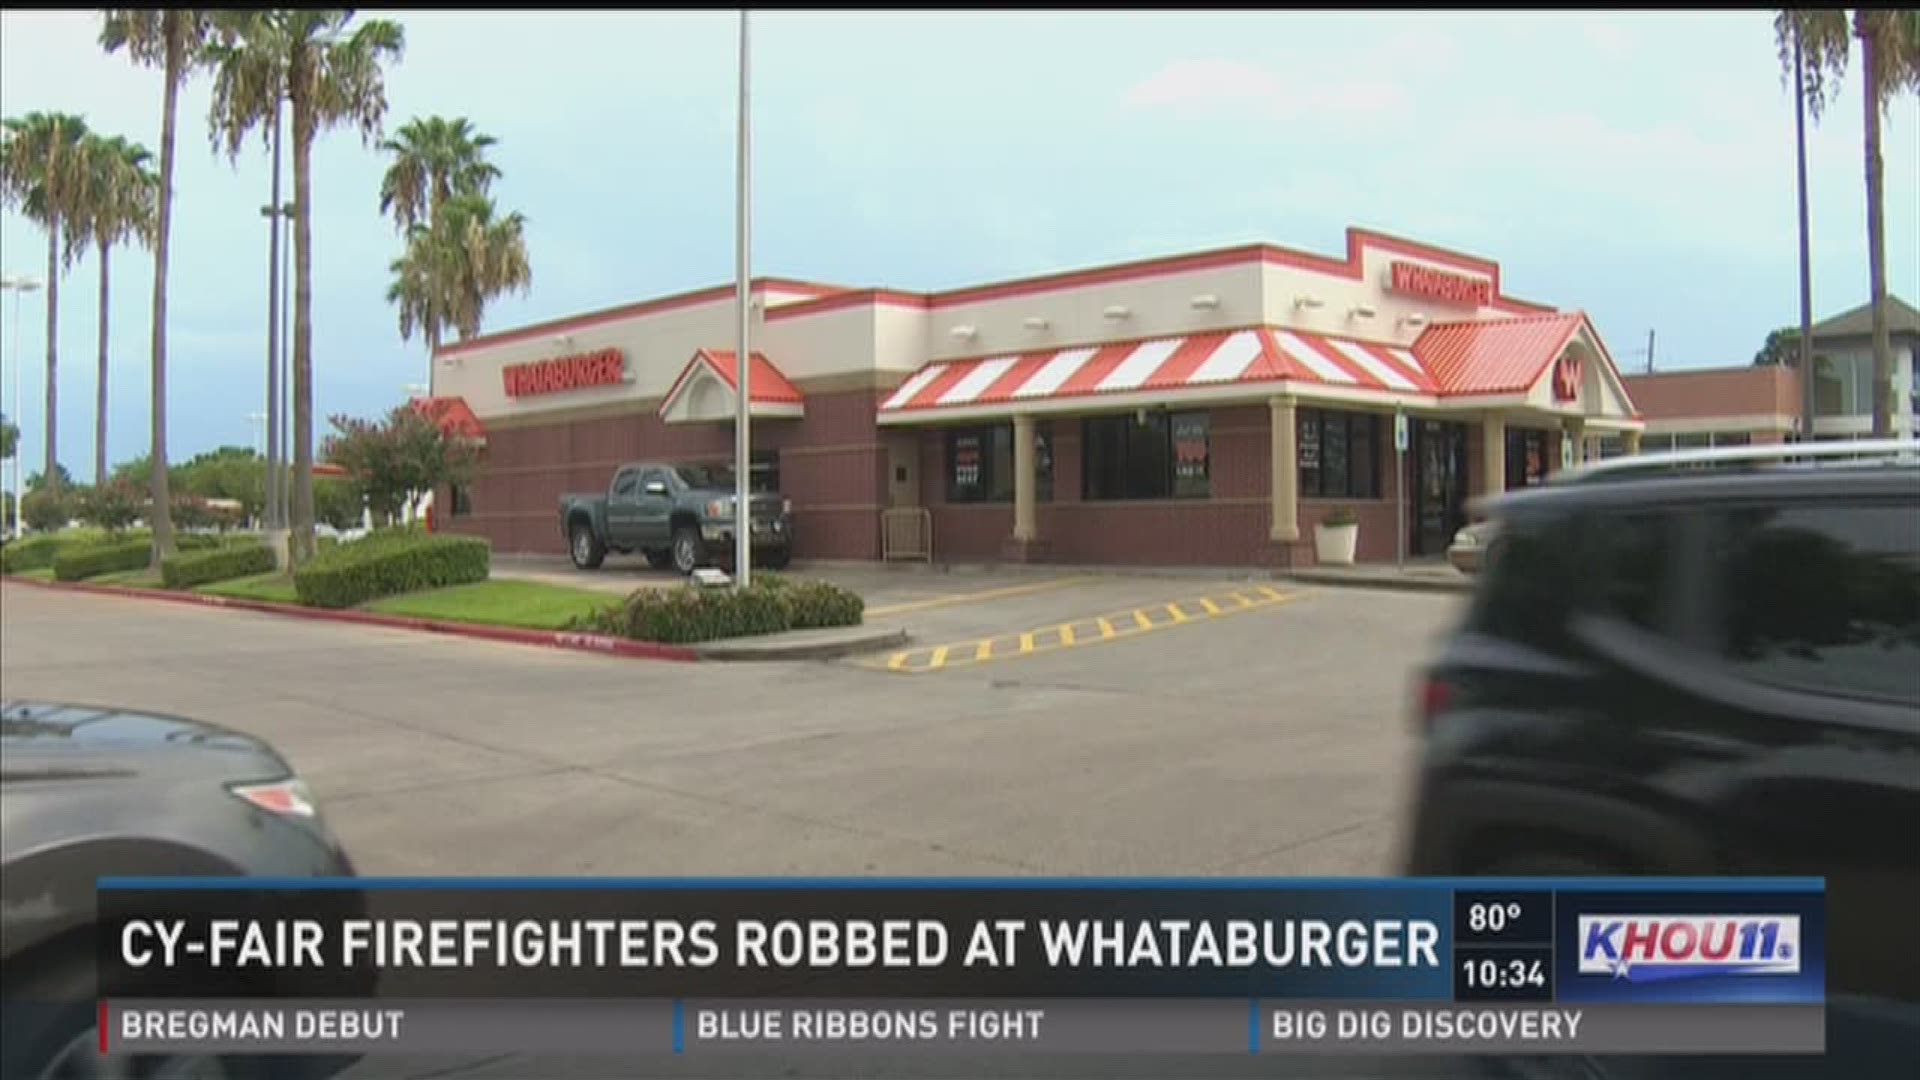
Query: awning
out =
(1238, 363)
(706, 390)
(1495, 356)
(453, 415)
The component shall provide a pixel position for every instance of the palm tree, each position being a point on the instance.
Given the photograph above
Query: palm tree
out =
(43, 171)
(119, 207)
(434, 160)
(172, 40)
(1820, 40)
(331, 75)
(455, 266)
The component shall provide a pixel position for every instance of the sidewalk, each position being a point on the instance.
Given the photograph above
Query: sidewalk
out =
(1423, 576)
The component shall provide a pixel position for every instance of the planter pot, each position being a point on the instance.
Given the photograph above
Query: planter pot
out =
(1333, 545)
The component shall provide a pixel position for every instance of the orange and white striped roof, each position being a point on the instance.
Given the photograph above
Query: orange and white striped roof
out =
(1193, 362)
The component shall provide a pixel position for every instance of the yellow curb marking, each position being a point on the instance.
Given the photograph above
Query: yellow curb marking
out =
(972, 597)
(1074, 633)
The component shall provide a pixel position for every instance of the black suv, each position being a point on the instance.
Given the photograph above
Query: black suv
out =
(1700, 672)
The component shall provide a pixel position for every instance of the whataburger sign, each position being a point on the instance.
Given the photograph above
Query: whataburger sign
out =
(602, 367)
(1441, 284)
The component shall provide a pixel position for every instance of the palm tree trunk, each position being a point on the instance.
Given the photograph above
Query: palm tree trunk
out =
(302, 541)
(1806, 258)
(1876, 229)
(162, 515)
(100, 390)
(52, 470)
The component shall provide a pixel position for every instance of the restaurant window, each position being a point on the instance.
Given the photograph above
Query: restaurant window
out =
(462, 500)
(763, 472)
(1339, 456)
(1526, 458)
(980, 463)
(1148, 455)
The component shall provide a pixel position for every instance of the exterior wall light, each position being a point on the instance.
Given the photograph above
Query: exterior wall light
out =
(1415, 319)
(1361, 311)
(1204, 302)
(1118, 311)
(963, 333)
(1308, 301)
(1035, 322)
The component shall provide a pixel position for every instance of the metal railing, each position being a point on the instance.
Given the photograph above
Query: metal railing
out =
(906, 533)
(1800, 454)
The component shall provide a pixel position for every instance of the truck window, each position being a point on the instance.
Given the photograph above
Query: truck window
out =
(1825, 597)
(653, 476)
(625, 484)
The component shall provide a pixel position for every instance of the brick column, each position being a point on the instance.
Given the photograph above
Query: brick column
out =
(1285, 493)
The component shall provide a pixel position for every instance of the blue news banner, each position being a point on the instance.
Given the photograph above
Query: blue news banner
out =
(963, 967)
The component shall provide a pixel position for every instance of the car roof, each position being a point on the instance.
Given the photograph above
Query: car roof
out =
(1663, 489)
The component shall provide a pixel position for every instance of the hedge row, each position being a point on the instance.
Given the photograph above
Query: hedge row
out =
(37, 552)
(383, 565)
(79, 561)
(188, 569)
(691, 614)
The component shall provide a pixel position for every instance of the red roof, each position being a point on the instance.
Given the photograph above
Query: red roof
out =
(766, 385)
(1192, 362)
(453, 414)
(1495, 356)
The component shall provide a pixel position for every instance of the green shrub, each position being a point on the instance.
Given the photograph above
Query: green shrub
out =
(77, 562)
(32, 553)
(188, 569)
(691, 614)
(371, 568)
(45, 513)
(812, 605)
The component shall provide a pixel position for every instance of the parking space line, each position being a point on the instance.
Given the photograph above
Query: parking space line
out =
(951, 599)
(1069, 634)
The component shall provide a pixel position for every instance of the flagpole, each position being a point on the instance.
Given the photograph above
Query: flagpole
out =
(743, 355)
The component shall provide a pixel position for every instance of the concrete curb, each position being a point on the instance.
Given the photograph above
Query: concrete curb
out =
(827, 645)
(1392, 584)
(555, 639)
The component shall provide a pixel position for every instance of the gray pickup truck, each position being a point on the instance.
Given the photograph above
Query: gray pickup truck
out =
(676, 515)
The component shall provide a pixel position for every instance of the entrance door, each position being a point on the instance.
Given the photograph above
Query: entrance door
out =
(1439, 485)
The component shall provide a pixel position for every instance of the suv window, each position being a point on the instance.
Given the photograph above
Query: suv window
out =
(1825, 597)
(1630, 557)
(625, 484)
(1524, 596)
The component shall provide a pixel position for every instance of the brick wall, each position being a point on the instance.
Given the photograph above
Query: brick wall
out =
(831, 465)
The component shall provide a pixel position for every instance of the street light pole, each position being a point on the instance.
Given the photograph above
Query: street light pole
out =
(743, 356)
(16, 286)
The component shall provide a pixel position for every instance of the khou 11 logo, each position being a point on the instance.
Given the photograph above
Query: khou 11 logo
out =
(1647, 948)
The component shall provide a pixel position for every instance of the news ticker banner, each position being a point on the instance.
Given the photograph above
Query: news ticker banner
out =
(937, 966)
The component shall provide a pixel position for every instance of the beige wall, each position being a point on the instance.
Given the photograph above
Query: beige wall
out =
(838, 341)
(1158, 306)
(900, 337)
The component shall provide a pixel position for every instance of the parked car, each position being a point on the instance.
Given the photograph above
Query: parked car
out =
(1472, 547)
(90, 792)
(1702, 672)
(677, 515)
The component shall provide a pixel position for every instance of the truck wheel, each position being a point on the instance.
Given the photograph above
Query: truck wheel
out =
(587, 550)
(686, 549)
(659, 558)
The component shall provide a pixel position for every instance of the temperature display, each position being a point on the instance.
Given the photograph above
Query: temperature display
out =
(1503, 918)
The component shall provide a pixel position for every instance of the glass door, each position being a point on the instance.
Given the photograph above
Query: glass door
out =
(1439, 485)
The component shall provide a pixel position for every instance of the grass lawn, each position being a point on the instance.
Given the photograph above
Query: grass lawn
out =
(527, 604)
(144, 578)
(273, 586)
(45, 573)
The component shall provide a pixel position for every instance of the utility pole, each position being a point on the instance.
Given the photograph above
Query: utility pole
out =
(1806, 258)
(743, 357)
(1649, 352)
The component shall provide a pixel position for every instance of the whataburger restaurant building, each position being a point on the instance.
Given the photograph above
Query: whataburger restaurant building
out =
(1203, 409)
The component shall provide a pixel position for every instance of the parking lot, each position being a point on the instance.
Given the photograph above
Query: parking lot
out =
(1267, 740)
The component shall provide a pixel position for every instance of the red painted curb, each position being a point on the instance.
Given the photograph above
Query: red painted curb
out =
(598, 644)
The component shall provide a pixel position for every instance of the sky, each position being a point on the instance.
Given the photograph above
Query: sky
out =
(1637, 166)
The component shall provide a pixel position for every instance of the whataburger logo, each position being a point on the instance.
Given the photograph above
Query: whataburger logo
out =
(1440, 284)
(602, 367)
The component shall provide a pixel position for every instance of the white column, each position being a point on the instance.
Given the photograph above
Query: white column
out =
(1286, 470)
(1493, 454)
(1024, 529)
